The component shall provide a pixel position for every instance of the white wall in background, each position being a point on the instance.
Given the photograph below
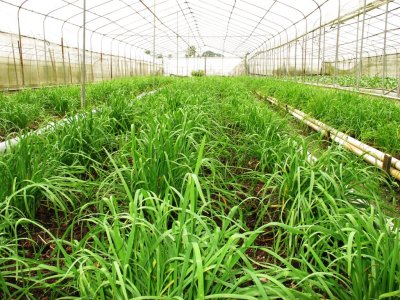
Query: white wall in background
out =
(214, 65)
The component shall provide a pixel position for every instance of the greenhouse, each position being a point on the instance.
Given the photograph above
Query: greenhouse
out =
(199, 149)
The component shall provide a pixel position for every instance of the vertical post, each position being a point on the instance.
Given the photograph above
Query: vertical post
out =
(125, 64)
(384, 73)
(398, 74)
(111, 65)
(295, 58)
(130, 62)
(312, 53)
(70, 68)
(281, 62)
(177, 43)
(91, 59)
(303, 59)
(288, 60)
(15, 64)
(37, 65)
(63, 60)
(205, 65)
(360, 64)
(356, 59)
(21, 61)
(319, 48)
(323, 69)
(83, 85)
(101, 65)
(263, 61)
(272, 62)
(154, 38)
(53, 63)
(337, 46)
(305, 56)
(246, 65)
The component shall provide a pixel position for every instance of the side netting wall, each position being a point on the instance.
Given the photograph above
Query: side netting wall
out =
(41, 63)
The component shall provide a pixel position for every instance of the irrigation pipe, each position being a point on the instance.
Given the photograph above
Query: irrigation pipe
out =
(373, 156)
(10, 143)
(362, 91)
(332, 133)
(353, 89)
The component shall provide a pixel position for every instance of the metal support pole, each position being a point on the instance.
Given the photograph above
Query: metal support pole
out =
(15, 65)
(37, 64)
(384, 71)
(303, 58)
(83, 85)
(111, 66)
(295, 59)
(130, 62)
(63, 60)
(360, 63)
(52, 66)
(70, 68)
(288, 60)
(337, 45)
(398, 74)
(154, 38)
(319, 47)
(323, 54)
(273, 62)
(177, 42)
(312, 53)
(21, 61)
(101, 66)
(53, 63)
(357, 75)
(91, 60)
(262, 61)
(281, 61)
(20, 45)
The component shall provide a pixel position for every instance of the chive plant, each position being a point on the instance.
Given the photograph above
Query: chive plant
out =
(29, 109)
(372, 120)
(199, 191)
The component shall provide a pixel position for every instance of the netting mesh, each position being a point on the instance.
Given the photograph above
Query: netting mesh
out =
(42, 40)
(46, 63)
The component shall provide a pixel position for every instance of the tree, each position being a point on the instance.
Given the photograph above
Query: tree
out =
(191, 51)
(211, 54)
(160, 56)
(148, 52)
(169, 56)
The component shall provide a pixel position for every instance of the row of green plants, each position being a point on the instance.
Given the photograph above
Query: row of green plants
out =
(198, 191)
(30, 109)
(372, 120)
(368, 82)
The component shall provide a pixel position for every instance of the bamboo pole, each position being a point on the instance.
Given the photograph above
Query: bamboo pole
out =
(369, 154)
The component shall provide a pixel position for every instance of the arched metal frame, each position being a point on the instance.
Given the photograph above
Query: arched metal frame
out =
(357, 43)
(277, 37)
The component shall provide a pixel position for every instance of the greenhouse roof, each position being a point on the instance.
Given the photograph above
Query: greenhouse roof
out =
(234, 27)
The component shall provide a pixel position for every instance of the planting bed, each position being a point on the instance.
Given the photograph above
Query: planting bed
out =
(367, 82)
(198, 191)
(31, 109)
(372, 120)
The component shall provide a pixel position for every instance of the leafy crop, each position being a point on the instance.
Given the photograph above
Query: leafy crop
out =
(372, 120)
(30, 109)
(198, 191)
(369, 82)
